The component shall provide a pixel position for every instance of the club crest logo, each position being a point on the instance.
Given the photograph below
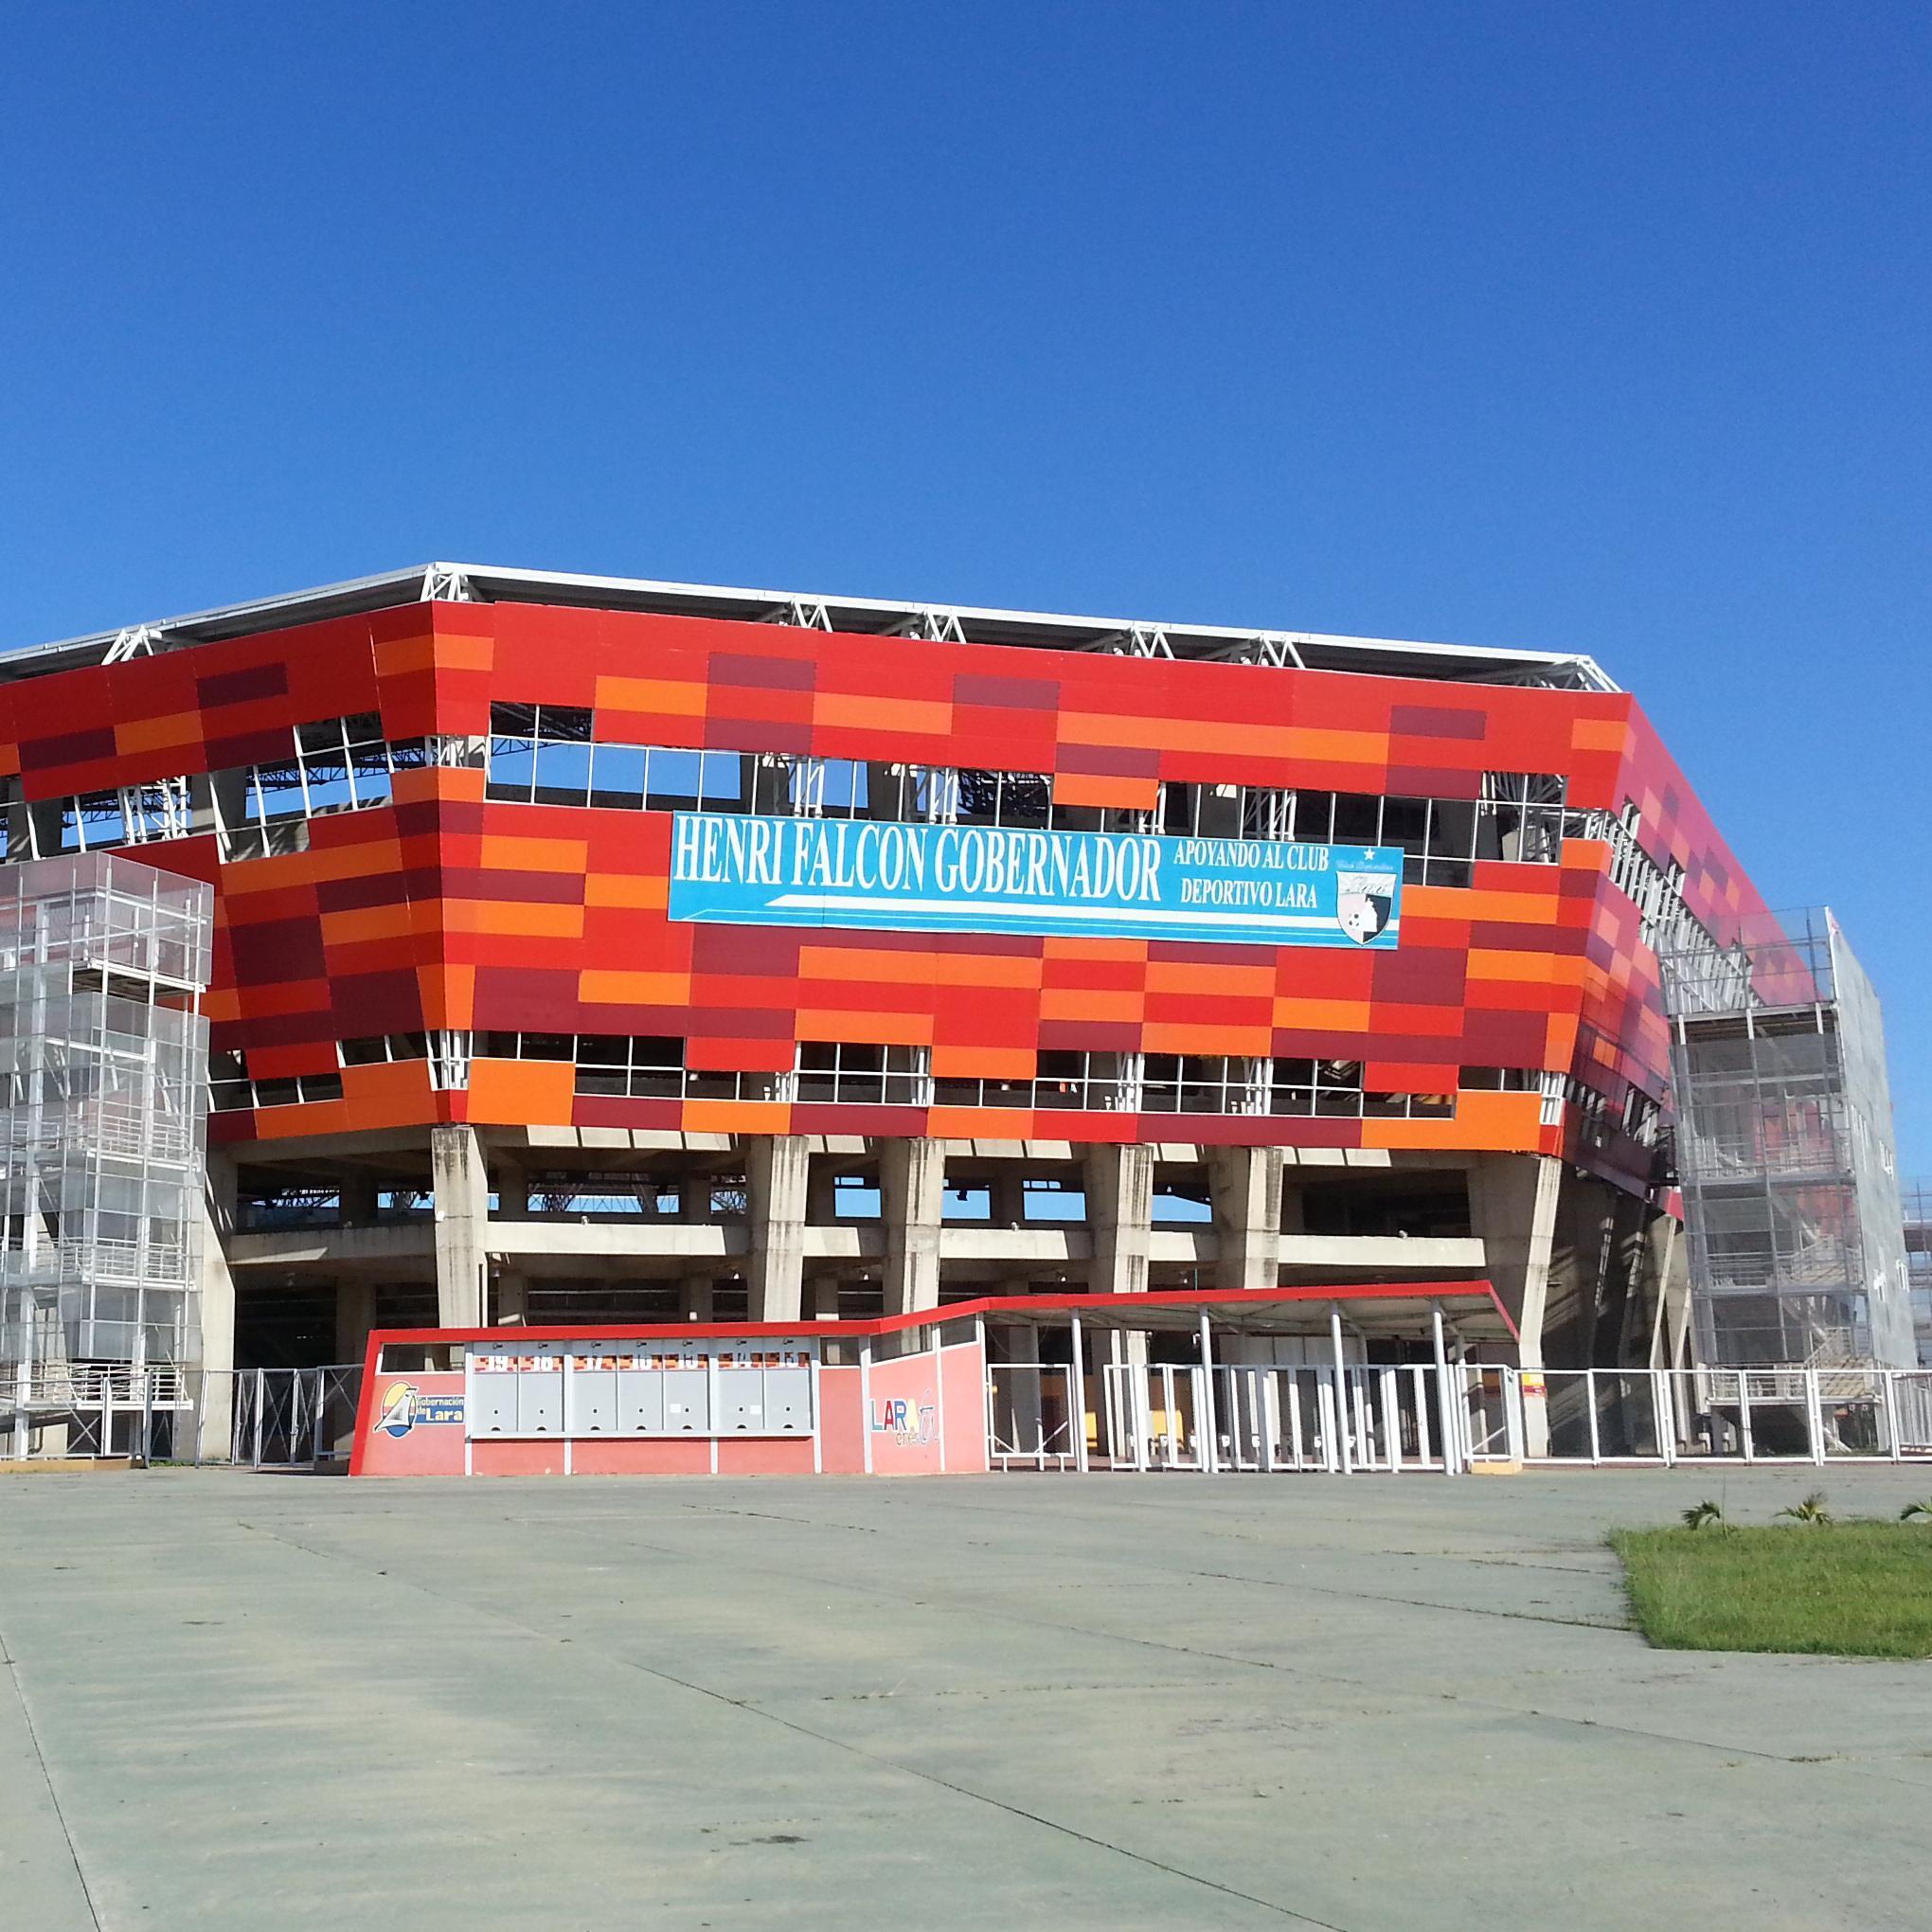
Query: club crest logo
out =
(1364, 902)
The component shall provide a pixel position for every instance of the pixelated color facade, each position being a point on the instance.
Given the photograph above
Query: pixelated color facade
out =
(443, 910)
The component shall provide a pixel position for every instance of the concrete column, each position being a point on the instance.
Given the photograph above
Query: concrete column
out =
(1294, 1218)
(1119, 1199)
(512, 1191)
(1006, 1195)
(462, 1219)
(694, 1299)
(824, 1298)
(1671, 1268)
(216, 1311)
(510, 1292)
(776, 1167)
(1513, 1202)
(821, 1195)
(355, 1312)
(1245, 1183)
(359, 1192)
(912, 1186)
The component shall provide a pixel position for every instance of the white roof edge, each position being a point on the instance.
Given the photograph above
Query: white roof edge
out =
(404, 586)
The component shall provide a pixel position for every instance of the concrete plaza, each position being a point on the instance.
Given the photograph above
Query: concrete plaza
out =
(251, 1701)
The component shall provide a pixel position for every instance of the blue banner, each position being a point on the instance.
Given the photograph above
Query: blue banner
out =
(735, 869)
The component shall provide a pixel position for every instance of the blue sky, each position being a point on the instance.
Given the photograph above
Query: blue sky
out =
(1593, 329)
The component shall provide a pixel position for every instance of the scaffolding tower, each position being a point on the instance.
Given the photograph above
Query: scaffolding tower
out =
(1918, 1206)
(104, 1083)
(1784, 1148)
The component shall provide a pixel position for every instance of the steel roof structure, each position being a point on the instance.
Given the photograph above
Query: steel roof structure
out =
(875, 616)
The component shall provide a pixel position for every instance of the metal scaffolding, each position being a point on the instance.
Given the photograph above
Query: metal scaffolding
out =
(1918, 1206)
(1784, 1144)
(104, 1083)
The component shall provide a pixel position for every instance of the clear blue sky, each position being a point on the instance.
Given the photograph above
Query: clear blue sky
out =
(1596, 329)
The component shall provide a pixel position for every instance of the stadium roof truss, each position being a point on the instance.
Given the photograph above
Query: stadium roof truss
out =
(876, 616)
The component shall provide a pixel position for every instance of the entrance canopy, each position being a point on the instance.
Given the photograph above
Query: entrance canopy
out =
(907, 1394)
(1374, 1308)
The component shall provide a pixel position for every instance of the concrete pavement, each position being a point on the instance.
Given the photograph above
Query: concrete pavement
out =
(244, 1701)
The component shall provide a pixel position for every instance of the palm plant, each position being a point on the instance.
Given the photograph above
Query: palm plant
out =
(1922, 1508)
(1811, 1510)
(1699, 1514)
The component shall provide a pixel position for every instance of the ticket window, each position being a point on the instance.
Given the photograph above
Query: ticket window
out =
(788, 1402)
(741, 1402)
(492, 1403)
(686, 1401)
(540, 1401)
(594, 1402)
(641, 1401)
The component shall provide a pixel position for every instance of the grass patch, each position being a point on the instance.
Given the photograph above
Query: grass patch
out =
(1856, 1589)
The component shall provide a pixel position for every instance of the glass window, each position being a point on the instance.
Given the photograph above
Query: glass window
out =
(1314, 817)
(562, 771)
(673, 779)
(368, 767)
(722, 780)
(617, 776)
(510, 773)
(1358, 820)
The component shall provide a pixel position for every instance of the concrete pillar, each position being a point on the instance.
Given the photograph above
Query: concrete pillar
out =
(1119, 1199)
(1671, 1269)
(510, 1292)
(462, 1219)
(821, 1193)
(512, 1191)
(355, 1312)
(1006, 1195)
(912, 1186)
(1512, 1202)
(1245, 1183)
(694, 1299)
(1294, 1217)
(823, 1305)
(216, 1312)
(359, 1192)
(776, 1169)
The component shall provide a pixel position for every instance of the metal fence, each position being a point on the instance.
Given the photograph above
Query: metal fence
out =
(289, 1418)
(1365, 1419)
(1797, 1415)
(253, 1417)
(1238, 1417)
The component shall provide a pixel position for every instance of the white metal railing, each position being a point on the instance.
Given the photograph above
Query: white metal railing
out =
(1035, 1416)
(132, 1263)
(1362, 1417)
(52, 1385)
(1240, 1417)
(1775, 1414)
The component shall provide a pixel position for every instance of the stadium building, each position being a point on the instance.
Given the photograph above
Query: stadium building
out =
(591, 953)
